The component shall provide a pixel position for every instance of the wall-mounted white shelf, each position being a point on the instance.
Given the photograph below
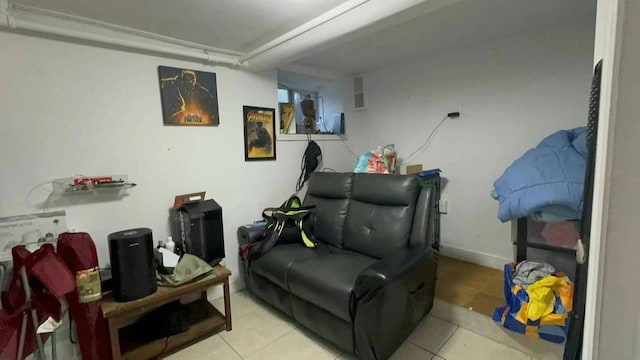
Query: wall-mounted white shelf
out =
(78, 185)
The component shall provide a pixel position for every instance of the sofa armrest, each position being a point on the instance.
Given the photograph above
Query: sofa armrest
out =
(401, 265)
(390, 298)
(250, 232)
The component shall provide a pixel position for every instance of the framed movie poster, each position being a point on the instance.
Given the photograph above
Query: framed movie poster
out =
(189, 97)
(259, 133)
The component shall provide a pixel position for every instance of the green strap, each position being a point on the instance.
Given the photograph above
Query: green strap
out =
(308, 243)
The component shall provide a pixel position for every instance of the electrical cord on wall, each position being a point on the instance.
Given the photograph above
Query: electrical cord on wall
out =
(42, 184)
(45, 204)
(427, 141)
(344, 142)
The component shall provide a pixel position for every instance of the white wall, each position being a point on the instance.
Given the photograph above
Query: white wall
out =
(619, 336)
(606, 47)
(73, 109)
(511, 92)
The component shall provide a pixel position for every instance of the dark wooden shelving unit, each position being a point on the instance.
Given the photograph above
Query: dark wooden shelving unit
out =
(203, 318)
(522, 243)
(204, 321)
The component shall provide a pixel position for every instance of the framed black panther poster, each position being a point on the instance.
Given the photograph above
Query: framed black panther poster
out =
(259, 133)
(189, 97)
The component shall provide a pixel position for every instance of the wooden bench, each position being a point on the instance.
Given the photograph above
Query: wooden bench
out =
(204, 319)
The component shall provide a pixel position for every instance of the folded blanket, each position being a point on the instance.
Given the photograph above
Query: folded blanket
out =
(189, 268)
(548, 178)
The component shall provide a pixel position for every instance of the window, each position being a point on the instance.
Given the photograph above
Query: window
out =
(321, 99)
(283, 96)
(311, 101)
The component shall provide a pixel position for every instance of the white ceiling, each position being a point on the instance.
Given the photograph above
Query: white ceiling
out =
(297, 81)
(462, 24)
(239, 25)
(243, 25)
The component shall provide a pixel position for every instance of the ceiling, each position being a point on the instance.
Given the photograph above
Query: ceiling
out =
(243, 25)
(458, 25)
(238, 25)
(297, 81)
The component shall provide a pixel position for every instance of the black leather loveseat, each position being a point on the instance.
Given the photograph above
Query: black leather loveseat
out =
(372, 279)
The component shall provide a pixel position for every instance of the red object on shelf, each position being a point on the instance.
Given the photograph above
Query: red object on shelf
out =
(84, 180)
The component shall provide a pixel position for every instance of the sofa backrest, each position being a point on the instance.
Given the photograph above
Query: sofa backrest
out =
(381, 212)
(330, 193)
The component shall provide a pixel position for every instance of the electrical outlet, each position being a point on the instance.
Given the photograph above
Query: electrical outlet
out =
(444, 206)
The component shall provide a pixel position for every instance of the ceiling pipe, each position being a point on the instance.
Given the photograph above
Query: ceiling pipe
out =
(9, 21)
(322, 31)
(119, 28)
(351, 16)
(304, 28)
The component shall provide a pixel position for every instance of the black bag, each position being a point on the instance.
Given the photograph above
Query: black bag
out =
(287, 224)
(310, 161)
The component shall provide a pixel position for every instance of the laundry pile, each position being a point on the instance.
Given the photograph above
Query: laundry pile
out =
(538, 301)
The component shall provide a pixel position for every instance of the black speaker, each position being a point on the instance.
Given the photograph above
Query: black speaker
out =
(132, 267)
(197, 230)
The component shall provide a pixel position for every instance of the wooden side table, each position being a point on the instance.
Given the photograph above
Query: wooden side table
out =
(204, 318)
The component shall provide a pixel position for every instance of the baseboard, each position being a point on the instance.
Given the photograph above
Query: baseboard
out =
(488, 260)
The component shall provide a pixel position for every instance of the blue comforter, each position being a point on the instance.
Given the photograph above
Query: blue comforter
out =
(548, 179)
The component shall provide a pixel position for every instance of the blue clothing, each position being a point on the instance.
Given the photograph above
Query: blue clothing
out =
(548, 179)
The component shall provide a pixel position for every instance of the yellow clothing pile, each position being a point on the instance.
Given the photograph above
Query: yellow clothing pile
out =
(542, 296)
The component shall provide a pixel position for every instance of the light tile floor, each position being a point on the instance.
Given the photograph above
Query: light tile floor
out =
(458, 327)
(260, 332)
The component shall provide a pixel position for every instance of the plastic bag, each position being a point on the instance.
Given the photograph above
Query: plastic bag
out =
(381, 160)
(552, 327)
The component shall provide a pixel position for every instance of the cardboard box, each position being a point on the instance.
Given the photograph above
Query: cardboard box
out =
(29, 229)
(414, 169)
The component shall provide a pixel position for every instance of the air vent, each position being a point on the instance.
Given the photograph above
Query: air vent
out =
(358, 93)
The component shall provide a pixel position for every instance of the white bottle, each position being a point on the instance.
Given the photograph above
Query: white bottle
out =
(170, 245)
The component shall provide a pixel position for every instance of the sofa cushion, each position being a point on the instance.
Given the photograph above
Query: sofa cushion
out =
(327, 281)
(275, 264)
(380, 215)
(323, 323)
(330, 193)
